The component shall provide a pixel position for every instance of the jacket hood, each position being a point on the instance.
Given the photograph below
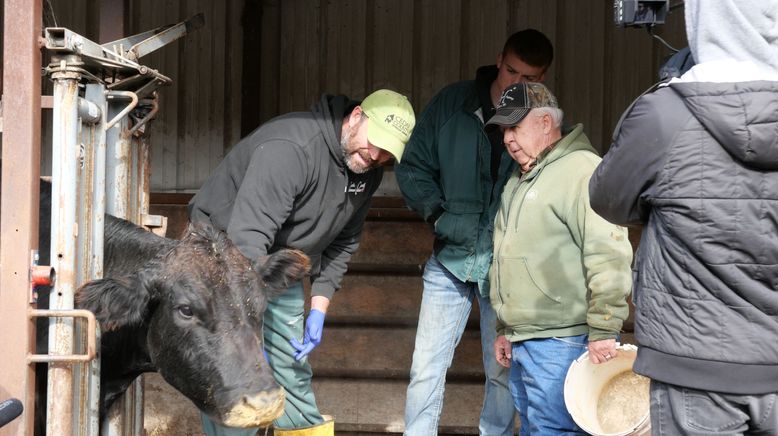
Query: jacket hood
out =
(572, 140)
(329, 112)
(742, 117)
(744, 30)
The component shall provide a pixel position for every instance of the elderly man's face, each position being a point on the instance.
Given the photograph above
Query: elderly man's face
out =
(526, 140)
(361, 155)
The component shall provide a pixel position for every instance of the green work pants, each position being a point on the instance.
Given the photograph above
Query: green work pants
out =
(284, 320)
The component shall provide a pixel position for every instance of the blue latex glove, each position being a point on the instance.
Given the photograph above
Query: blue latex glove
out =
(314, 326)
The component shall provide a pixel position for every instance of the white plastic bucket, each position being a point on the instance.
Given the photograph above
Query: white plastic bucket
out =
(608, 399)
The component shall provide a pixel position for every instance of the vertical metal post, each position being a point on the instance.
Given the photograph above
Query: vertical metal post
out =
(118, 159)
(126, 416)
(64, 233)
(19, 194)
(93, 178)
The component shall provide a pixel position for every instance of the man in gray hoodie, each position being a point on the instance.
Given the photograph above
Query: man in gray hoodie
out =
(696, 162)
(304, 180)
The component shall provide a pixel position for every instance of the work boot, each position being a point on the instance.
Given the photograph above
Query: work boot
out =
(326, 428)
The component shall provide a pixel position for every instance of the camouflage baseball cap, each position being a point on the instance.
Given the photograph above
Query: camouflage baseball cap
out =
(518, 100)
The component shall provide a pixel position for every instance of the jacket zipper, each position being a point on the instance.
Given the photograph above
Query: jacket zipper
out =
(479, 163)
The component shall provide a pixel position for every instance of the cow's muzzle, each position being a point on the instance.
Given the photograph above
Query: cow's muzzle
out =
(257, 410)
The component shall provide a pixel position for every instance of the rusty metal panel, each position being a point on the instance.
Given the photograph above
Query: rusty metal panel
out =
(19, 219)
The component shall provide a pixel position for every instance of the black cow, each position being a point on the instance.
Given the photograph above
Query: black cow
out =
(191, 309)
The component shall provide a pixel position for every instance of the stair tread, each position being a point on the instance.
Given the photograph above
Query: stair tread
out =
(380, 300)
(394, 242)
(386, 352)
(378, 405)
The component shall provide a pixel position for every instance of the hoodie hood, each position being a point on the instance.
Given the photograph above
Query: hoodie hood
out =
(742, 117)
(329, 112)
(743, 30)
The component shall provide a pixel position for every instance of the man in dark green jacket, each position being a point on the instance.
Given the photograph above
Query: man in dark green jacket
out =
(452, 173)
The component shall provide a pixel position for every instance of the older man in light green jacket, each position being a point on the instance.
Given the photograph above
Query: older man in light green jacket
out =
(560, 274)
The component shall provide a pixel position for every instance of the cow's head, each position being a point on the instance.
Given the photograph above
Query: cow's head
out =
(202, 305)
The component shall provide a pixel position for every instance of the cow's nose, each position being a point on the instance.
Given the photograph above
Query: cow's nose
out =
(256, 410)
(265, 399)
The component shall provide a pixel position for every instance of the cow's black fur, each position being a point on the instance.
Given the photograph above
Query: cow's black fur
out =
(190, 309)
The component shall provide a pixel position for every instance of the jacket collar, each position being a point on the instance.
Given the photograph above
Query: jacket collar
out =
(484, 77)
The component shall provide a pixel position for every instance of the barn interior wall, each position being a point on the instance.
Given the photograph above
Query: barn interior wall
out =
(255, 59)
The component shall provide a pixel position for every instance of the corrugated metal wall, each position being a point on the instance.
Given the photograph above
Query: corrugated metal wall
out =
(255, 59)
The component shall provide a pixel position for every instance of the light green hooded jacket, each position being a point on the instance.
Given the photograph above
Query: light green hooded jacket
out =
(559, 269)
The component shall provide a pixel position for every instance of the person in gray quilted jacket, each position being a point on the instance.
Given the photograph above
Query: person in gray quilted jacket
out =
(696, 162)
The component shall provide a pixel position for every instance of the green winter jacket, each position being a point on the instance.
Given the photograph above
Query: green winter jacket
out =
(445, 176)
(559, 268)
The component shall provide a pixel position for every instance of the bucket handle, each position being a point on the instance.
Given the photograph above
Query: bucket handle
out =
(619, 346)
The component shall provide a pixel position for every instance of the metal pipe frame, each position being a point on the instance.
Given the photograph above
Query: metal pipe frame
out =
(95, 93)
(64, 232)
(91, 349)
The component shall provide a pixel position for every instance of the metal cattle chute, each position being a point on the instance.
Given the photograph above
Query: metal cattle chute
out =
(102, 102)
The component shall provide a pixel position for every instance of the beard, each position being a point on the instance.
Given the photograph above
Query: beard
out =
(351, 149)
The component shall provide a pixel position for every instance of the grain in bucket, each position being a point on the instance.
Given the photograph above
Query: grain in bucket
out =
(608, 399)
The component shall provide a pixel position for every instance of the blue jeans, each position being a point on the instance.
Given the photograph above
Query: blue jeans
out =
(538, 381)
(676, 410)
(445, 307)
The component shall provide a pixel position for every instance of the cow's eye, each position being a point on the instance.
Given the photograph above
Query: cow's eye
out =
(185, 311)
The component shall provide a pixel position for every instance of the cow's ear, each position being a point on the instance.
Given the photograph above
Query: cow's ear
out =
(115, 302)
(282, 269)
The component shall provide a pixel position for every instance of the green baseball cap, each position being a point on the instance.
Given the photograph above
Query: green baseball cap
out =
(390, 120)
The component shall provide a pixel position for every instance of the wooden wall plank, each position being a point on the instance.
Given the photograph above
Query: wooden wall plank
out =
(299, 55)
(580, 40)
(390, 46)
(540, 15)
(484, 29)
(303, 48)
(270, 58)
(436, 50)
(233, 62)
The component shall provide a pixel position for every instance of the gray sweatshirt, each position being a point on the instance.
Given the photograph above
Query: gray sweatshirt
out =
(286, 185)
